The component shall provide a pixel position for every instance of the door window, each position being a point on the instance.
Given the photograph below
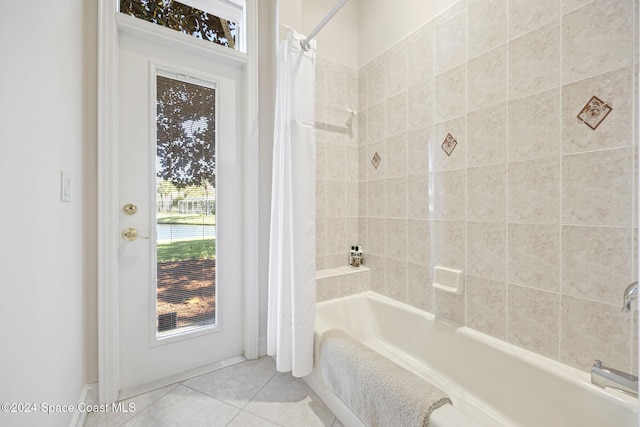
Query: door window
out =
(185, 204)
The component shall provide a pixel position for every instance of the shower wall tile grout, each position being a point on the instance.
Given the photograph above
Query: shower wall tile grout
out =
(562, 185)
(561, 204)
(509, 247)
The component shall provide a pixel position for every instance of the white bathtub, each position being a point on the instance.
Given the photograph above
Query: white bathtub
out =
(490, 382)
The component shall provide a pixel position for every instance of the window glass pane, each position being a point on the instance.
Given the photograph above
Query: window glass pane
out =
(183, 18)
(186, 204)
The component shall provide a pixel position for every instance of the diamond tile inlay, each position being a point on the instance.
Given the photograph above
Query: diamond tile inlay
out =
(449, 144)
(376, 160)
(594, 112)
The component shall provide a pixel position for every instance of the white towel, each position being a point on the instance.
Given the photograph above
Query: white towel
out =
(376, 389)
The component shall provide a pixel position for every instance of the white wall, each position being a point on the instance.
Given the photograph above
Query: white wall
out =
(383, 23)
(290, 13)
(44, 256)
(362, 29)
(338, 40)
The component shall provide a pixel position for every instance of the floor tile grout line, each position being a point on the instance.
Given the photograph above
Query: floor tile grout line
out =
(211, 397)
(242, 408)
(234, 417)
(182, 383)
(171, 388)
(146, 407)
(275, 374)
(149, 409)
(258, 416)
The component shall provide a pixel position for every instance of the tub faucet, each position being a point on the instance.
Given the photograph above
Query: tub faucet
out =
(603, 376)
(630, 295)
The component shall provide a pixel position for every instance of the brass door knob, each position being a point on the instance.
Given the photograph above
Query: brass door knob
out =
(131, 234)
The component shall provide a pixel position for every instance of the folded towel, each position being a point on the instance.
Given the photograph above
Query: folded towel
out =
(376, 389)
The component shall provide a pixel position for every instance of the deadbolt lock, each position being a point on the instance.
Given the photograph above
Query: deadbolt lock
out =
(130, 209)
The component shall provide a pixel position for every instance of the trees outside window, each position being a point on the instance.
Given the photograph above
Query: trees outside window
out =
(183, 18)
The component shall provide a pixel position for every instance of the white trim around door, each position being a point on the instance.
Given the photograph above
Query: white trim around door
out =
(108, 234)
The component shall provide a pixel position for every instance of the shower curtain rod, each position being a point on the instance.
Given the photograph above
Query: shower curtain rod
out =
(305, 43)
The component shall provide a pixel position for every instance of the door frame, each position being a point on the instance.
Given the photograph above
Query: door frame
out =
(109, 25)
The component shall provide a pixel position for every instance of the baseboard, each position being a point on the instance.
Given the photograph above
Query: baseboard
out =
(262, 347)
(88, 396)
(172, 379)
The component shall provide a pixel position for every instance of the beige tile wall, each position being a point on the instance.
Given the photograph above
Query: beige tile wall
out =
(535, 206)
(337, 163)
(341, 281)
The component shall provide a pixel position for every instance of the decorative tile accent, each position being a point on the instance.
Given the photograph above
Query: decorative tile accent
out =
(376, 160)
(438, 161)
(615, 131)
(594, 112)
(449, 144)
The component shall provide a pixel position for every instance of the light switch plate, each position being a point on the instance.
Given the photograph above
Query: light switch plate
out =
(65, 186)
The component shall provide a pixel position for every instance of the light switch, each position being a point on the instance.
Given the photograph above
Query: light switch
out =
(65, 186)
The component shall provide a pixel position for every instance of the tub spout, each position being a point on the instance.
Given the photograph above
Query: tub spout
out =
(603, 376)
(630, 295)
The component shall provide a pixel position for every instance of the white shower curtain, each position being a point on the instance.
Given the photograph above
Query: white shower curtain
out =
(292, 254)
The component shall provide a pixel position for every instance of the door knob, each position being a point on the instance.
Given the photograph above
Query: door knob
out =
(131, 234)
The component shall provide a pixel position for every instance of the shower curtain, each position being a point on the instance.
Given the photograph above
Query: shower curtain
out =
(292, 257)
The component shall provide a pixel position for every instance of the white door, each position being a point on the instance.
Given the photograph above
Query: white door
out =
(181, 278)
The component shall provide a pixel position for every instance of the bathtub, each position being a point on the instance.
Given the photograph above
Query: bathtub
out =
(490, 382)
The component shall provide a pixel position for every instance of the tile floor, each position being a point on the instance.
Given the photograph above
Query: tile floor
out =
(247, 394)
